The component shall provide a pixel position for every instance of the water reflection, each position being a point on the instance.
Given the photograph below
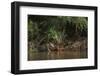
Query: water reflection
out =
(69, 54)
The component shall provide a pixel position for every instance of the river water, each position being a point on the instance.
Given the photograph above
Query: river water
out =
(68, 54)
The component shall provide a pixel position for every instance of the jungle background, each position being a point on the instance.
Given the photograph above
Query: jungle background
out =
(57, 37)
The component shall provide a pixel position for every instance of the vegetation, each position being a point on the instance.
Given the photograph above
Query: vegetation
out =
(55, 32)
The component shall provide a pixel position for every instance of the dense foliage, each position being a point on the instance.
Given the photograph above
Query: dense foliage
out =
(55, 29)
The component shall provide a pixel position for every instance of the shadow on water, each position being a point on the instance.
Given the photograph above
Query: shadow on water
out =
(67, 54)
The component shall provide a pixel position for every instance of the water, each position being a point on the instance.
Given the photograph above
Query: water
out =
(68, 54)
